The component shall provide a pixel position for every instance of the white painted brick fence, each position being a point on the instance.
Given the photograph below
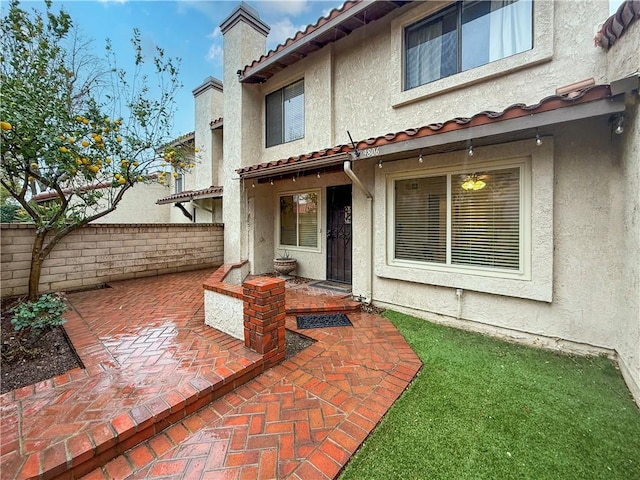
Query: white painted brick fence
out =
(102, 253)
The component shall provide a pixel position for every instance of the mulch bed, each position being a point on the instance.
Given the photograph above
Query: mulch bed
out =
(52, 355)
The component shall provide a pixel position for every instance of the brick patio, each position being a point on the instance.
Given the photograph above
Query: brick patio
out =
(163, 395)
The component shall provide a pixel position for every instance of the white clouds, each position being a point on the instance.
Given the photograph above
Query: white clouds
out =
(214, 54)
(281, 31)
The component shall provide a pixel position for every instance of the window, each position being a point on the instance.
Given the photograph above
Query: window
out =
(179, 186)
(285, 114)
(465, 219)
(467, 35)
(299, 220)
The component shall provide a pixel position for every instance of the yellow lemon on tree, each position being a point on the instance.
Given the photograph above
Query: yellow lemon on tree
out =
(118, 139)
(5, 126)
(122, 181)
(64, 149)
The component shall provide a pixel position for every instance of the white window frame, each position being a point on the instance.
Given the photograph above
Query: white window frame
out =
(524, 166)
(542, 52)
(537, 281)
(318, 247)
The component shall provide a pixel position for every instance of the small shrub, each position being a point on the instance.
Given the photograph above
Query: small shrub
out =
(40, 316)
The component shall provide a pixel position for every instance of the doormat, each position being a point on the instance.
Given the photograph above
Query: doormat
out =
(327, 320)
(336, 286)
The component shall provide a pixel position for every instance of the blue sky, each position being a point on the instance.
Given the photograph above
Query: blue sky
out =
(185, 29)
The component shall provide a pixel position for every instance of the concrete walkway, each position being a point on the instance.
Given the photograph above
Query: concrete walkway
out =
(164, 396)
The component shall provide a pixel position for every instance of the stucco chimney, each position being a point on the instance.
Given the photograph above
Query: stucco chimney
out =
(245, 40)
(209, 106)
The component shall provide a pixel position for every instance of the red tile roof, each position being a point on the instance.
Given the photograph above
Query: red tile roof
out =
(217, 123)
(339, 23)
(188, 195)
(517, 110)
(618, 23)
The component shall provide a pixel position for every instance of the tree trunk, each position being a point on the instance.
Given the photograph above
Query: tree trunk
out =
(36, 265)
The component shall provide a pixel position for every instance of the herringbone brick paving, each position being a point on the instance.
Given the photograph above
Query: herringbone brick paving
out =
(301, 419)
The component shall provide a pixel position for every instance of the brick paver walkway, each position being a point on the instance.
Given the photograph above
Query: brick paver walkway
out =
(148, 355)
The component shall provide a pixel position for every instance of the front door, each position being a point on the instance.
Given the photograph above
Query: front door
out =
(339, 233)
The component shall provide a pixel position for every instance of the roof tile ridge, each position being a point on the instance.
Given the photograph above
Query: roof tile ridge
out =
(335, 12)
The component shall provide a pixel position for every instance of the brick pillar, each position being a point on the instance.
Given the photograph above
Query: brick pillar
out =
(264, 317)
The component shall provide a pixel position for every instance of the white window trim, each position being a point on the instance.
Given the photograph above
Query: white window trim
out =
(536, 280)
(524, 271)
(543, 39)
(292, 248)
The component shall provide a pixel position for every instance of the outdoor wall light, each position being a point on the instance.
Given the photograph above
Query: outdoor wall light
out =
(538, 139)
(619, 125)
(271, 181)
(379, 163)
(470, 151)
(294, 178)
(420, 158)
(318, 175)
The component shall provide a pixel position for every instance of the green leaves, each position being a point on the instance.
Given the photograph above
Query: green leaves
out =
(39, 316)
(77, 128)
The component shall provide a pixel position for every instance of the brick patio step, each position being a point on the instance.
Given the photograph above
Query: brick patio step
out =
(79, 454)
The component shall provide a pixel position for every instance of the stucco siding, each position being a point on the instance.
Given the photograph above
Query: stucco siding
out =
(587, 254)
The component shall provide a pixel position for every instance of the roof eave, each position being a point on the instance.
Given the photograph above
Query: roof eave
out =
(596, 108)
(257, 74)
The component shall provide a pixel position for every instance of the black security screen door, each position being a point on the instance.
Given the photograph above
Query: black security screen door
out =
(339, 233)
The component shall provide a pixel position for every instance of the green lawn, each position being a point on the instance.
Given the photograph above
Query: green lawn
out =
(483, 408)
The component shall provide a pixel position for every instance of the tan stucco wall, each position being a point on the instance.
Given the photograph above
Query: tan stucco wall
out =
(623, 60)
(591, 202)
(97, 254)
(242, 44)
(138, 205)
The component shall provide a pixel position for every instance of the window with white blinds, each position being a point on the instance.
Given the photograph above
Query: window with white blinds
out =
(299, 220)
(285, 114)
(470, 219)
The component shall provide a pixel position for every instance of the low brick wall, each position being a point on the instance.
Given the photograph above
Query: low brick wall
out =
(102, 253)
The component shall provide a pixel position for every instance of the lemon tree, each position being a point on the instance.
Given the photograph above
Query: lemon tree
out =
(82, 130)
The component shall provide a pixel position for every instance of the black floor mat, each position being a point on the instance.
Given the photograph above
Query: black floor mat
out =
(326, 320)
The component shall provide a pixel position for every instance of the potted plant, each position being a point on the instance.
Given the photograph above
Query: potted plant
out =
(284, 264)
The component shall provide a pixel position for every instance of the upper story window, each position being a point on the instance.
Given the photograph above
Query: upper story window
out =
(178, 184)
(466, 35)
(285, 114)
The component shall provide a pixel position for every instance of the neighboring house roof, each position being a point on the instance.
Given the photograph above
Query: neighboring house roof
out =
(181, 140)
(52, 194)
(618, 23)
(526, 113)
(187, 196)
(339, 23)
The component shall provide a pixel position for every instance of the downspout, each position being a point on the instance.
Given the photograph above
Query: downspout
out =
(369, 241)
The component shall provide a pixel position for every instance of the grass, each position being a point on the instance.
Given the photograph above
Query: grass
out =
(484, 408)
